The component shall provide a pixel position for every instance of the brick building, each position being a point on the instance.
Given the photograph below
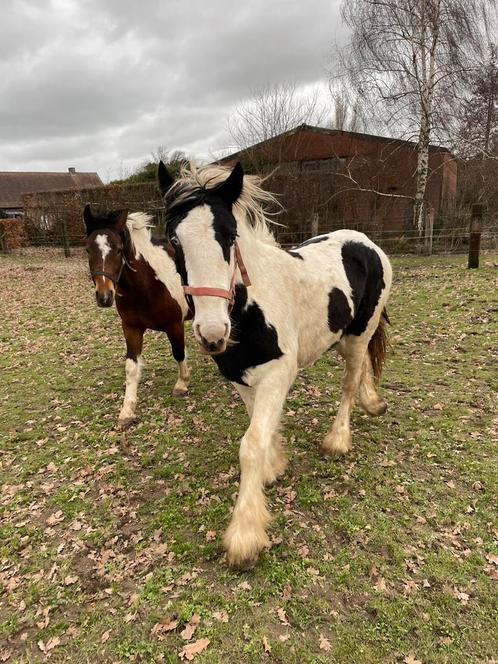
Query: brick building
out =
(331, 179)
(14, 184)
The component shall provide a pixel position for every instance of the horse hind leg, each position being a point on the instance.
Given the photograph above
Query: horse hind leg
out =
(338, 439)
(369, 399)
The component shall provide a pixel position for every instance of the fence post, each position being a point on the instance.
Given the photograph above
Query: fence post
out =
(314, 224)
(65, 239)
(429, 231)
(475, 231)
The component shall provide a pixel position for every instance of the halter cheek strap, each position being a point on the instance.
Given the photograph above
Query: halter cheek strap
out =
(221, 292)
(112, 277)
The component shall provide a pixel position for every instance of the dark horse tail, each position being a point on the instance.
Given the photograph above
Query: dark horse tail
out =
(378, 344)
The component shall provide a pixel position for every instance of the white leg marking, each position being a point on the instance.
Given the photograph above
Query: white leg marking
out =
(338, 439)
(275, 460)
(133, 371)
(369, 398)
(181, 385)
(246, 534)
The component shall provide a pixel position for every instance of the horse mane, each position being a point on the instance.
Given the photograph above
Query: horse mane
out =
(138, 225)
(195, 182)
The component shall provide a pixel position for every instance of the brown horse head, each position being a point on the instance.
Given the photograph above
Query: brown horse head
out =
(104, 245)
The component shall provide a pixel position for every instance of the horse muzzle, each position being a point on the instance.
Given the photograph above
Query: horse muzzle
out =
(104, 299)
(212, 338)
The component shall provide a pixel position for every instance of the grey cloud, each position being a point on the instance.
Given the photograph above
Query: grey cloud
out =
(103, 83)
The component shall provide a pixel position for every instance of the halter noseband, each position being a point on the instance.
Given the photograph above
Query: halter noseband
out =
(114, 279)
(222, 292)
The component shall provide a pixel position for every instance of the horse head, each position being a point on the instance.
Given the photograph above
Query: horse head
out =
(104, 246)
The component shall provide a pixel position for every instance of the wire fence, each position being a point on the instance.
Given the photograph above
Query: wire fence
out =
(54, 219)
(394, 241)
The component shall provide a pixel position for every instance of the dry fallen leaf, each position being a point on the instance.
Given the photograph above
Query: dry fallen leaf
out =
(244, 585)
(410, 659)
(282, 617)
(190, 650)
(168, 623)
(189, 629)
(50, 644)
(105, 636)
(462, 597)
(70, 580)
(54, 518)
(324, 643)
(222, 616)
(266, 645)
(380, 585)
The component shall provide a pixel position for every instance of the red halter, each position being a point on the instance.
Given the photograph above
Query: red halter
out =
(221, 292)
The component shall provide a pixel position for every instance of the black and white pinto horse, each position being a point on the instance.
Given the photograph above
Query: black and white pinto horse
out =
(263, 313)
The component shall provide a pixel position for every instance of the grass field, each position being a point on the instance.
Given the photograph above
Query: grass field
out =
(110, 541)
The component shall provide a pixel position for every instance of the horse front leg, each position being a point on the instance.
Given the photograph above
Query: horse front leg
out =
(176, 337)
(133, 366)
(246, 535)
(275, 459)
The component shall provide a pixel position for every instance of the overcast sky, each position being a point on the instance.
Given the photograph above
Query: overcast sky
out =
(100, 84)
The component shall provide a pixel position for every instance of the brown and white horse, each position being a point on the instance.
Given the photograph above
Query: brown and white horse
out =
(126, 266)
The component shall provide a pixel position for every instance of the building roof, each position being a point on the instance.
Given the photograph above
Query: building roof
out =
(323, 143)
(13, 184)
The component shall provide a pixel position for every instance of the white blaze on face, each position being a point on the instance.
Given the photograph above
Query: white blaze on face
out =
(206, 266)
(103, 244)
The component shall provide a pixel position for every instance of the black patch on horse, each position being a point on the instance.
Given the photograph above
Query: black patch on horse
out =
(224, 224)
(255, 342)
(314, 240)
(225, 227)
(339, 310)
(294, 254)
(365, 274)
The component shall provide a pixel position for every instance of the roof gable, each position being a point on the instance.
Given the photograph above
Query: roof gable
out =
(322, 143)
(14, 184)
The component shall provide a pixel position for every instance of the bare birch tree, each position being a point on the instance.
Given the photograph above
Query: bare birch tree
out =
(408, 59)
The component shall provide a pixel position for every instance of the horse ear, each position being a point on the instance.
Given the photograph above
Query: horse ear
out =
(121, 217)
(164, 177)
(87, 216)
(231, 189)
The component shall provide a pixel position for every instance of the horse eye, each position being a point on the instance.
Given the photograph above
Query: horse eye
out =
(174, 240)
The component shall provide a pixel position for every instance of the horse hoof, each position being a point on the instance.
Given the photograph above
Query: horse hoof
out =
(180, 392)
(375, 410)
(333, 447)
(244, 564)
(126, 423)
